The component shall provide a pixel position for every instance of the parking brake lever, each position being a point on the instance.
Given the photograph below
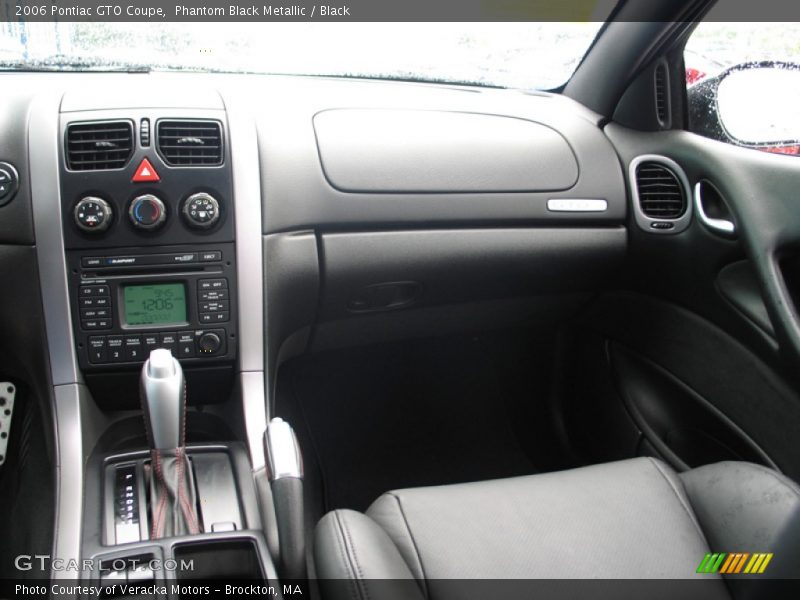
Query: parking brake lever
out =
(285, 472)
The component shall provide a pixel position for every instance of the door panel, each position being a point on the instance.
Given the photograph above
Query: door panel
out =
(647, 377)
(697, 357)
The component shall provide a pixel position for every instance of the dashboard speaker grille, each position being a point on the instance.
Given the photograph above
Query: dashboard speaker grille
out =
(190, 143)
(661, 195)
(99, 145)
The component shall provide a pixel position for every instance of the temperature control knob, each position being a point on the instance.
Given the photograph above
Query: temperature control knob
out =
(93, 215)
(147, 212)
(201, 210)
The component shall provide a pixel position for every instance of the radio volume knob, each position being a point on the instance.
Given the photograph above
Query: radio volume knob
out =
(147, 212)
(93, 215)
(201, 210)
(209, 343)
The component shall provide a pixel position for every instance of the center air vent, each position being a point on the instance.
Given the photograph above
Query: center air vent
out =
(190, 143)
(660, 193)
(99, 145)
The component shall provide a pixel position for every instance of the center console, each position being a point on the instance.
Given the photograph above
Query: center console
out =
(148, 221)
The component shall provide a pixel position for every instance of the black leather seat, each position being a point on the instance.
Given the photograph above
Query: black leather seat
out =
(631, 519)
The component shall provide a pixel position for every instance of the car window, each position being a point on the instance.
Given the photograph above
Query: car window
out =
(743, 81)
(510, 55)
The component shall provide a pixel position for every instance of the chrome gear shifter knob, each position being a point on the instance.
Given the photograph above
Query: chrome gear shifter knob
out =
(164, 400)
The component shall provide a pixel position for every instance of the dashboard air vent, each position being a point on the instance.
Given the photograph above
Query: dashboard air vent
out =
(661, 195)
(99, 145)
(662, 94)
(190, 143)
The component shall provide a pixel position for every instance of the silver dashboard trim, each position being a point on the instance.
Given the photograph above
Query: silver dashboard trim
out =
(577, 205)
(250, 272)
(69, 469)
(43, 134)
(68, 394)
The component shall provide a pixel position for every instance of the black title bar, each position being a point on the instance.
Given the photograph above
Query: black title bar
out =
(155, 11)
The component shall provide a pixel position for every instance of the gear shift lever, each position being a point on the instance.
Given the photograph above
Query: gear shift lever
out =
(164, 395)
(172, 490)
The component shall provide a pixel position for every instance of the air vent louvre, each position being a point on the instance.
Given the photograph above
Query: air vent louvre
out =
(661, 195)
(190, 143)
(99, 145)
(662, 95)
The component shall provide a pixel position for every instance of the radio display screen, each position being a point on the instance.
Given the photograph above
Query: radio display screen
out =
(155, 304)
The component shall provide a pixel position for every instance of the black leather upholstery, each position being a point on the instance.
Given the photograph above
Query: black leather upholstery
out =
(629, 519)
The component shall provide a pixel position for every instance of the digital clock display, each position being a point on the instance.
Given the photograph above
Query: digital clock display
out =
(157, 304)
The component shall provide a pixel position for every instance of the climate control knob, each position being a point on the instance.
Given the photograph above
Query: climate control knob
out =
(147, 212)
(209, 343)
(201, 210)
(93, 214)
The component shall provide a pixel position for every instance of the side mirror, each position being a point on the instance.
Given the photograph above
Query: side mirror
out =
(752, 104)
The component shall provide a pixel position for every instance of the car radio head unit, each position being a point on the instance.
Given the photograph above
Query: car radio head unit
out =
(127, 302)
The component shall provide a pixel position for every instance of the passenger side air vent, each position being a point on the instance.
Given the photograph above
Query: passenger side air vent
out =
(190, 143)
(661, 82)
(99, 145)
(660, 193)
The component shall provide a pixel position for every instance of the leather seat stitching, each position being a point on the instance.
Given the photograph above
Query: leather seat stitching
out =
(413, 543)
(689, 511)
(345, 557)
(352, 553)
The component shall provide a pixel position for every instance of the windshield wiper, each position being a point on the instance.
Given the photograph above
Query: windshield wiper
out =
(59, 62)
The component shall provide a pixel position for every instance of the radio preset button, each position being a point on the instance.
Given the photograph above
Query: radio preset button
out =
(169, 341)
(150, 342)
(97, 350)
(133, 348)
(116, 350)
(185, 345)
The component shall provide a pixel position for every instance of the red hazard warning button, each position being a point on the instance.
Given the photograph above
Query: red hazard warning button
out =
(145, 172)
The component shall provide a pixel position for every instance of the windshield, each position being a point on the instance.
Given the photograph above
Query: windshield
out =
(513, 55)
